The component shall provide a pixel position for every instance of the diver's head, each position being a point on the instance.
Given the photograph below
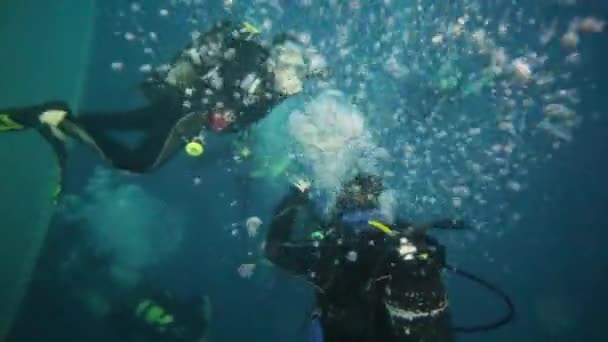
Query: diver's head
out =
(358, 210)
(288, 63)
(170, 80)
(360, 193)
(182, 74)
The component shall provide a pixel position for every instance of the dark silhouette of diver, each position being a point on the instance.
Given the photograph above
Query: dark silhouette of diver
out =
(73, 277)
(153, 315)
(224, 81)
(375, 281)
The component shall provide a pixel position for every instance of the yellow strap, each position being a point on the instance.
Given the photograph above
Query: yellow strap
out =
(380, 226)
(8, 124)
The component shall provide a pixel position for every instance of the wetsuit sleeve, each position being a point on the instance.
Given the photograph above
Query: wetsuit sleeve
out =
(280, 248)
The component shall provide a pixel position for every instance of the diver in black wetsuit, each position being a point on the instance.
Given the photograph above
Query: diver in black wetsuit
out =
(375, 281)
(223, 81)
(71, 278)
(152, 315)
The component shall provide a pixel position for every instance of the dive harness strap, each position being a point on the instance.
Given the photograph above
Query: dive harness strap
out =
(507, 317)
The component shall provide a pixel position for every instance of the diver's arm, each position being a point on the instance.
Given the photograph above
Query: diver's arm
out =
(279, 248)
(283, 219)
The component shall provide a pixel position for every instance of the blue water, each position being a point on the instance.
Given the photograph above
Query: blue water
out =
(552, 261)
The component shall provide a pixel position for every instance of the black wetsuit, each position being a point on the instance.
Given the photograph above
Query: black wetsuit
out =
(69, 274)
(176, 114)
(174, 117)
(367, 288)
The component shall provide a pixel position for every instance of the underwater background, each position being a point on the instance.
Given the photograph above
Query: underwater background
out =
(537, 233)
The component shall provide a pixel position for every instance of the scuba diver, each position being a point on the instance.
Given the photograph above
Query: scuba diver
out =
(376, 279)
(224, 81)
(74, 279)
(161, 316)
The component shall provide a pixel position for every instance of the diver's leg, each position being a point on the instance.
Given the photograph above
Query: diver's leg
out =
(109, 149)
(149, 153)
(154, 121)
(122, 156)
(89, 128)
(130, 120)
(60, 152)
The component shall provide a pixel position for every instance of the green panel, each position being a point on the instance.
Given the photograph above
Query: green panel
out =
(44, 56)
(26, 209)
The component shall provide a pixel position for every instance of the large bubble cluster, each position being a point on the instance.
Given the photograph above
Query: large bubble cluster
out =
(465, 97)
(125, 223)
(334, 141)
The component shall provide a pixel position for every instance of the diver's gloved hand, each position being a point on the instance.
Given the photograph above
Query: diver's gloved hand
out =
(300, 188)
(49, 113)
(302, 184)
(450, 224)
(53, 117)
